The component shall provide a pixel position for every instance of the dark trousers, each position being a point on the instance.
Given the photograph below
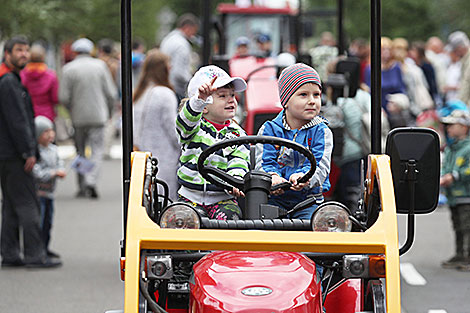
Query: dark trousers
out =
(20, 211)
(348, 188)
(460, 215)
(47, 213)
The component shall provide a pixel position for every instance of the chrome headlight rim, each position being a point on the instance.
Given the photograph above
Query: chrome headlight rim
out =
(333, 204)
(179, 208)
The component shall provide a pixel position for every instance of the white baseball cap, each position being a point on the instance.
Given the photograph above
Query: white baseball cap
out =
(82, 45)
(207, 73)
(457, 117)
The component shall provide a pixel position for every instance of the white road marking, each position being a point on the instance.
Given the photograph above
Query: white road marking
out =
(411, 275)
(437, 311)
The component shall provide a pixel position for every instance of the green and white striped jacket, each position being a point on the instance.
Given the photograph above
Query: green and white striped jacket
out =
(195, 135)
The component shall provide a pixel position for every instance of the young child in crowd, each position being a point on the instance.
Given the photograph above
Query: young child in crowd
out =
(455, 178)
(45, 171)
(204, 119)
(300, 92)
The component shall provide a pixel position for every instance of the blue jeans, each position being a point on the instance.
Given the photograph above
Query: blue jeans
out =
(288, 204)
(47, 212)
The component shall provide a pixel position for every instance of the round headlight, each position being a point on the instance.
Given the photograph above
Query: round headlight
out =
(331, 216)
(180, 216)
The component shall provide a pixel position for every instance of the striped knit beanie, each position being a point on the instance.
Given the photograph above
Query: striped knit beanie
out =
(293, 77)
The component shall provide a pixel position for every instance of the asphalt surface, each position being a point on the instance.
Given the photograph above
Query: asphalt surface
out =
(444, 290)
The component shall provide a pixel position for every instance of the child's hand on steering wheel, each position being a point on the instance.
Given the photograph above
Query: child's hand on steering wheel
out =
(276, 180)
(236, 192)
(294, 178)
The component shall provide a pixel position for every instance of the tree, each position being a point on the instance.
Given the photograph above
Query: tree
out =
(58, 20)
(412, 19)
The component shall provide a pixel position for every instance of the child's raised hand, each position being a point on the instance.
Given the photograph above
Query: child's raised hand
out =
(294, 179)
(276, 180)
(206, 89)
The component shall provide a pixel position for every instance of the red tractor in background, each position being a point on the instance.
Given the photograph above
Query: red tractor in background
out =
(260, 70)
(285, 27)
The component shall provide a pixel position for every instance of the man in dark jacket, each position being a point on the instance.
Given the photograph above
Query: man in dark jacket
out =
(18, 152)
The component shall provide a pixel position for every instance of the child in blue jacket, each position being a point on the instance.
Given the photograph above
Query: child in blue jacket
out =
(300, 94)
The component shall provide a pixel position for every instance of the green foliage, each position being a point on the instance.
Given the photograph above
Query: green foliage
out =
(412, 19)
(451, 15)
(405, 18)
(57, 20)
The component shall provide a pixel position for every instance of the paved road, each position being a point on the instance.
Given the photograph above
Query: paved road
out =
(443, 290)
(86, 233)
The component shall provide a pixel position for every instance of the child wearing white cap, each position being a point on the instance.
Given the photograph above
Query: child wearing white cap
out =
(204, 119)
(455, 180)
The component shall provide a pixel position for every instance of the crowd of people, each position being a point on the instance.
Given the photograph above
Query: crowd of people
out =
(424, 84)
(177, 115)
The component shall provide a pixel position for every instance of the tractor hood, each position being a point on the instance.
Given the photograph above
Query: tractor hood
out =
(253, 281)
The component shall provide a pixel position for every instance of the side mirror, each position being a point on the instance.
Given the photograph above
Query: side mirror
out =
(415, 160)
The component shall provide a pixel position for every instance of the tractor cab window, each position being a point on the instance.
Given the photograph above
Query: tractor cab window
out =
(257, 27)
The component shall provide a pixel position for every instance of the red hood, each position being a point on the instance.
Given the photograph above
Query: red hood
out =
(4, 69)
(34, 71)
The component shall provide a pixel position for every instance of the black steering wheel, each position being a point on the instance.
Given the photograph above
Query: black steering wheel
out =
(226, 181)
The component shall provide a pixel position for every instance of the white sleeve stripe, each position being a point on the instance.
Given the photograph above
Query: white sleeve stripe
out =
(323, 169)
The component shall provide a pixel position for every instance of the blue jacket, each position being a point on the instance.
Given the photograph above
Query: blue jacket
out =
(315, 135)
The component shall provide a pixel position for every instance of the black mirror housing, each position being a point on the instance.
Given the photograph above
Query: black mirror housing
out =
(415, 148)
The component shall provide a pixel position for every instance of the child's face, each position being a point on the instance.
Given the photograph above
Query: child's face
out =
(223, 107)
(46, 137)
(457, 131)
(242, 50)
(304, 105)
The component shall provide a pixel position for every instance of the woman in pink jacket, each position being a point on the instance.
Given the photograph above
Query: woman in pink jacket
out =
(42, 84)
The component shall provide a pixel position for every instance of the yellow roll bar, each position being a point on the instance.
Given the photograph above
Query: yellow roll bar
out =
(382, 237)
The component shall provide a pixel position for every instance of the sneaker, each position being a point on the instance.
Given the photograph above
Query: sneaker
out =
(12, 264)
(91, 192)
(46, 263)
(465, 267)
(52, 254)
(454, 262)
(81, 194)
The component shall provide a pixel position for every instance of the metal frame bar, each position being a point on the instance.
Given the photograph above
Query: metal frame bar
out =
(127, 133)
(376, 76)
